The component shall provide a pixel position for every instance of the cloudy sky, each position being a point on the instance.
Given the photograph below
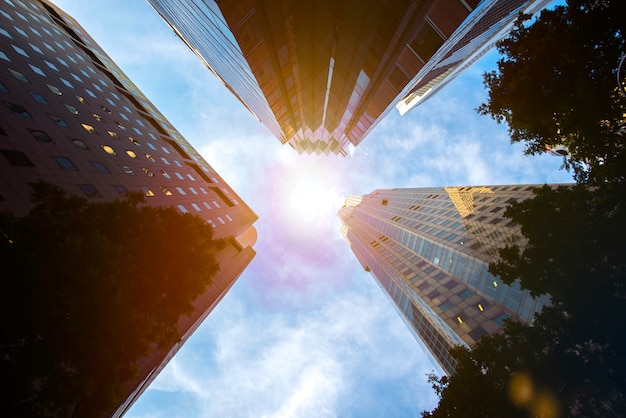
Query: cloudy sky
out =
(304, 332)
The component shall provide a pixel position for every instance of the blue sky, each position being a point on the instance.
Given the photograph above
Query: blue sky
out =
(304, 332)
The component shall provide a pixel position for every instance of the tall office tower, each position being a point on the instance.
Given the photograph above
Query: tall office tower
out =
(69, 116)
(321, 74)
(429, 250)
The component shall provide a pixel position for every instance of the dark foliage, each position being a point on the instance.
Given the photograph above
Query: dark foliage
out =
(87, 289)
(574, 352)
(556, 83)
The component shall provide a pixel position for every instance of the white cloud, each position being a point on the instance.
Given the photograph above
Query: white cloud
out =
(301, 366)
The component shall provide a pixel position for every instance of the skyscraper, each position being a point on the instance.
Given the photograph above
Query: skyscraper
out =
(69, 116)
(321, 74)
(429, 250)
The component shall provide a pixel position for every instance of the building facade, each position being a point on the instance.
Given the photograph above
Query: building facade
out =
(429, 250)
(320, 75)
(69, 116)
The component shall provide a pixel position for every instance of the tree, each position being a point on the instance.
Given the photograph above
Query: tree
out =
(556, 83)
(88, 289)
(574, 351)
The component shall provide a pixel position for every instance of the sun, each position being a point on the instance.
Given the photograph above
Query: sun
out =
(312, 195)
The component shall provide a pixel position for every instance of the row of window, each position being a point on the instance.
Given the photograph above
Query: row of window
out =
(72, 109)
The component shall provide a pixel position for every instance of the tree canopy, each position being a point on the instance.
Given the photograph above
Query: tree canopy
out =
(556, 84)
(572, 358)
(88, 289)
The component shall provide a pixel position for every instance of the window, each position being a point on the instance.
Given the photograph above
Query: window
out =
(179, 176)
(17, 158)
(108, 150)
(77, 78)
(20, 51)
(127, 170)
(113, 135)
(499, 319)
(65, 163)
(82, 100)
(146, 191)
(18, 109)
(182, 209)
(165, 174)
(150, 157)
(89, 128)
(18, 75)
(477, 333)
(193, 190)
(20, 31)
(223, 222)
(196, 207)
(78, 143)
(89, 190)
(181, 191)
(67, 83)
(72, 109)
(131, 154)
(166, 191)
(4, 56)
(191, 177)
(5, 14)
(148, 172)
(3, 88)
(55, 90)
(445, 306)
(100, 167)
(38, 98)
(59, 121)
(120, 189)
(206, 205)
(91, 93)
(41, 136)
(37, 70)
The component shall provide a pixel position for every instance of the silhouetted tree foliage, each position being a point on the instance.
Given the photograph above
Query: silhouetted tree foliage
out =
(86, 289)
(574, 352)
(556, 84)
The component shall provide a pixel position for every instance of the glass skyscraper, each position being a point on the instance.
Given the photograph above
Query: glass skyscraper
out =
(69, 116)
(321, 75)
(429, 250)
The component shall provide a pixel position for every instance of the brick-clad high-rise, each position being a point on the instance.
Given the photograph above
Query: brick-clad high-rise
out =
(69, 116)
